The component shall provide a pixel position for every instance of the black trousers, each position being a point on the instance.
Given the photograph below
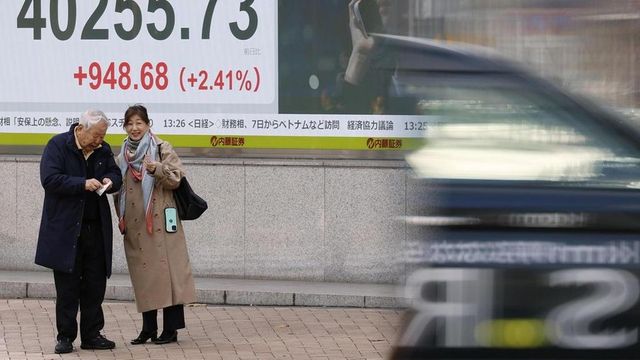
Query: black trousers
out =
(84, 287)
(172, 319)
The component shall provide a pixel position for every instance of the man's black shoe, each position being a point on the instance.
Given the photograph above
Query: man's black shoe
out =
(97, 343)
(64, 346)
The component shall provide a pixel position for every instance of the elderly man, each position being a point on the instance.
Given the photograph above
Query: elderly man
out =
(75, 237)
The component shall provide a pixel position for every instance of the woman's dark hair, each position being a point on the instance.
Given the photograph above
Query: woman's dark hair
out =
(136, 109)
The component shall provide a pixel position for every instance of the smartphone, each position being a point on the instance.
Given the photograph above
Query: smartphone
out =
(367, 17)
(170, 220)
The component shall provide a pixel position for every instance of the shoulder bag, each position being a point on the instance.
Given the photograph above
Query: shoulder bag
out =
(190, 206)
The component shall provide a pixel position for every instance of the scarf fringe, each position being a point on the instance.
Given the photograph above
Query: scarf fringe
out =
(149, 217)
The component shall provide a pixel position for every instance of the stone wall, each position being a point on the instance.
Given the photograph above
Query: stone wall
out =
(336, 221)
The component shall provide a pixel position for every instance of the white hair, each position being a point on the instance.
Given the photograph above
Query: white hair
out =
(92, 117)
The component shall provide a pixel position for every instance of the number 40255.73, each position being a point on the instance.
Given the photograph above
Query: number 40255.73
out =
(30, 17)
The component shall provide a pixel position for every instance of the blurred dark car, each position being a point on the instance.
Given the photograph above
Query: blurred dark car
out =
(525, 213)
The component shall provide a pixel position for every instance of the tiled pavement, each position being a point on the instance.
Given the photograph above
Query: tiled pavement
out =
(27, 332)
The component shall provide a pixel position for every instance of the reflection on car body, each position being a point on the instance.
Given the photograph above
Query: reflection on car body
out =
(524, 231)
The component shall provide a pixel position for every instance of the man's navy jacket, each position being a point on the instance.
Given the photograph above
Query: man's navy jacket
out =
(63, 175)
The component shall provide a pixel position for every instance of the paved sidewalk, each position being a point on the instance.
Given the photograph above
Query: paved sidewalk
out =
(27, 332)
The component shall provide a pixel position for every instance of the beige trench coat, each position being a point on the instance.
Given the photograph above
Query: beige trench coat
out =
(158, 264)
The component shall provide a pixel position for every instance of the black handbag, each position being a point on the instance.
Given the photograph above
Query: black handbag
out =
(190, 206)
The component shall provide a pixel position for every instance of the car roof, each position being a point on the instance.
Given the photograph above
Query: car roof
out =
(440, 57)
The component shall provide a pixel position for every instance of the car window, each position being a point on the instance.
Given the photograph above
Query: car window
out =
(495, 130)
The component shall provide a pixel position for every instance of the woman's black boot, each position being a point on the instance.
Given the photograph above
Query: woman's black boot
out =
(167, 336)
(144, 336)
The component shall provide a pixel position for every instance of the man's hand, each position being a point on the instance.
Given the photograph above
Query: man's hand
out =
(108, 182)
(106, 185)
(92, 185)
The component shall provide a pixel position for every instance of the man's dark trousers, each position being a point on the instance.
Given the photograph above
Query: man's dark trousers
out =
(85, 287)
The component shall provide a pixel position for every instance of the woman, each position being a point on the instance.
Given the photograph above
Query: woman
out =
(158, 260)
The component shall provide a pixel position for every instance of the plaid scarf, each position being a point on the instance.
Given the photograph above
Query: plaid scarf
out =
(135, 164)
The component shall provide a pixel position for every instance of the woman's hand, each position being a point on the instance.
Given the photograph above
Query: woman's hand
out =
(150, 165)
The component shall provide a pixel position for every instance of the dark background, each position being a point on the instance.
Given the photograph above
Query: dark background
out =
(313, 40)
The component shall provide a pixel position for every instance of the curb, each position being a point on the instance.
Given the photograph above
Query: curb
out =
(223, 291)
